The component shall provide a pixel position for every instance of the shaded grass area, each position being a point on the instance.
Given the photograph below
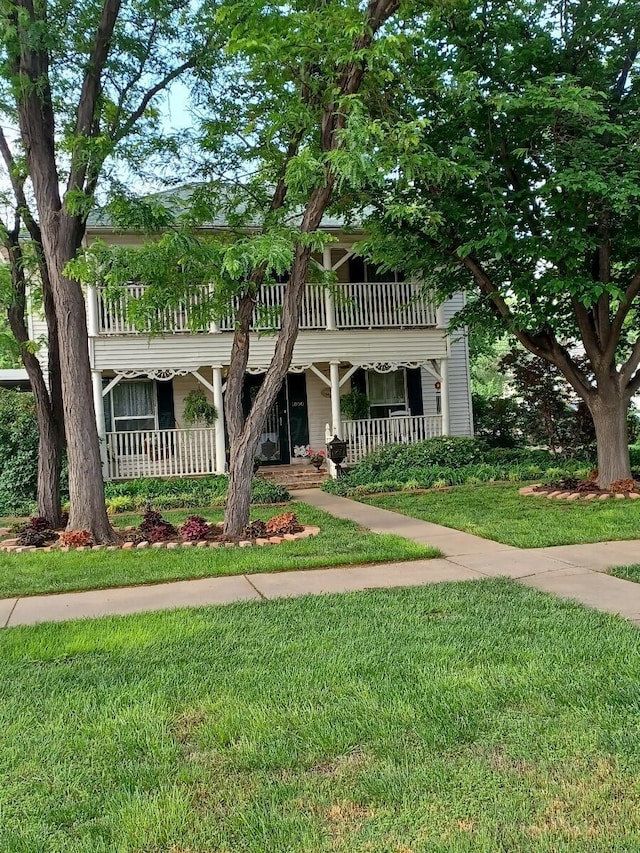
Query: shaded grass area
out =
(627, 573)
(339, 543)
(457, 717)
(498, 512)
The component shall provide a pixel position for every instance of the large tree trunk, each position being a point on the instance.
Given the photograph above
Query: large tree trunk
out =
(50, 443)
(245, 437)
(609, 413)
(86, 485)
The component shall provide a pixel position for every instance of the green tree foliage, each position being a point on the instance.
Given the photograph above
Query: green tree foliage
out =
(81, 81)
(18, 453)
(289, 134)
(522, 186)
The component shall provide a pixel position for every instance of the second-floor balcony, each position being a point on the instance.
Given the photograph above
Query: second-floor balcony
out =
(352, 305)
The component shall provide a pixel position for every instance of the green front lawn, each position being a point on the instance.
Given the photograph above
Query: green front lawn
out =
(457, 718)
(498, 512)
(627, 573)
(339, 543)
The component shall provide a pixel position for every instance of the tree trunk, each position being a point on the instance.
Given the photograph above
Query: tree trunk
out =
(49, 420)
(245, 442)
(86, 485)
(49, 446)
(236, 516)
(49, 461)
(609, 413)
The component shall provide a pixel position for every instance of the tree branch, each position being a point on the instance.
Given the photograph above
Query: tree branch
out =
(620, 316)
(91, 84)
(150, 94)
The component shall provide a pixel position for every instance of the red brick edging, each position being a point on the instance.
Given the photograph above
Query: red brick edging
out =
(558, 494)
(11, 546)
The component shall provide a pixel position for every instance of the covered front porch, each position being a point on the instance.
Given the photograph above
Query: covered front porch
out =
(141, 414)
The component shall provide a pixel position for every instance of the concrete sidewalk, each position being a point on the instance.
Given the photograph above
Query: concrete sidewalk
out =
(569, 571)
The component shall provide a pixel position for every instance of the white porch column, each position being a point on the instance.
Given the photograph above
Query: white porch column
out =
(98, 405)
(329, 305)
(444, 394)
(334, 374)
(218, 402)
(92, 312)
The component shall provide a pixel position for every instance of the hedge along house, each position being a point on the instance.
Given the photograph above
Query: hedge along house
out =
(375, 333)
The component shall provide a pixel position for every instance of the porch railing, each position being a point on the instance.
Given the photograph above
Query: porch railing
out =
(160, 453)
(365, 436)
(356, 305)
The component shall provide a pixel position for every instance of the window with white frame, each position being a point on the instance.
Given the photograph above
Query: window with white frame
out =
(133, 406)
(387, 392)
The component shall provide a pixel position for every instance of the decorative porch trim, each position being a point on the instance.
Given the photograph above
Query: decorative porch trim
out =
(294, 368)
(112, 384)
(320, 375)
(162, 374)
(203, 381)
(348, 375)
(390, 366)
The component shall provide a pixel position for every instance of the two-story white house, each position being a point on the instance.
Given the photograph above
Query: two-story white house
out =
(376, 333)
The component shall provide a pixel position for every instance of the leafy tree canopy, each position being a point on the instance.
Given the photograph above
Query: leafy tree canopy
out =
(523, 183)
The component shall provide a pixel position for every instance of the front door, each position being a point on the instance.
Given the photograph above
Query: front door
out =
(273, 445)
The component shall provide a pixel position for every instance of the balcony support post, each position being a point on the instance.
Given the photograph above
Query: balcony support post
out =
(329, 304)
(444, 395)
(92, 312)
(218, 402)
(98, 405)
(336, 418)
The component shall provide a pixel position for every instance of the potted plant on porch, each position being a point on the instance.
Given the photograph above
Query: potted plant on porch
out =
(316, 458)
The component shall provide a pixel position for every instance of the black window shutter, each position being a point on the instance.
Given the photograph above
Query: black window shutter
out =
(166, 413)
(359, 380)
(106, 400)
(414, 391)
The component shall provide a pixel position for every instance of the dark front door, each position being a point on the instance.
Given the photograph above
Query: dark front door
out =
(273, 446)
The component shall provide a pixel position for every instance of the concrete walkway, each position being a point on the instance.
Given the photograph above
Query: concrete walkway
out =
(569, 571)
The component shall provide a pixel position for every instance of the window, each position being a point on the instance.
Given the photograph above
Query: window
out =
(362, 271)
(387, 392)
(133, 405)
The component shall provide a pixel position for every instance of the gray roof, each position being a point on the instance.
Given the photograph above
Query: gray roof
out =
(177, 199)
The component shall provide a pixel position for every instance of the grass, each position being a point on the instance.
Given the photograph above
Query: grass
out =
(339, 543)
(627, 573)
(476, 717)
(498, 512)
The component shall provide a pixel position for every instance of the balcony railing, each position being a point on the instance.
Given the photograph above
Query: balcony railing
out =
(160, 453)
(365, 436)
(357, 305)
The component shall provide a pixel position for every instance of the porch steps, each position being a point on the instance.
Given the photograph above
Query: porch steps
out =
(294, 477)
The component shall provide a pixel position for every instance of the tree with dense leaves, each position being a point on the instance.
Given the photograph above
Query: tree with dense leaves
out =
(523, 187)
(79, 80)
(285, 143)
(25, 277)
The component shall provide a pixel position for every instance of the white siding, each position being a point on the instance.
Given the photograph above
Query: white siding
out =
(318, 408)
(38, 332)
(460, 412)
(191, 351)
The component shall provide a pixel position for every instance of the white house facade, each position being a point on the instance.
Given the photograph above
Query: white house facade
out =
(376, 333)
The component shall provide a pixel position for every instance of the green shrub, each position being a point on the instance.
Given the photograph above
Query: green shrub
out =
(119, 503)
(18, 453)
(179, 493)
(449, 462)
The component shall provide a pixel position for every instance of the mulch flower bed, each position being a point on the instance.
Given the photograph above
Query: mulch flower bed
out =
(156, 532)
(572, 489)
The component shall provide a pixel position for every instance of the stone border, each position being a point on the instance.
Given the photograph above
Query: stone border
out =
(10, 546)
(558, 494)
